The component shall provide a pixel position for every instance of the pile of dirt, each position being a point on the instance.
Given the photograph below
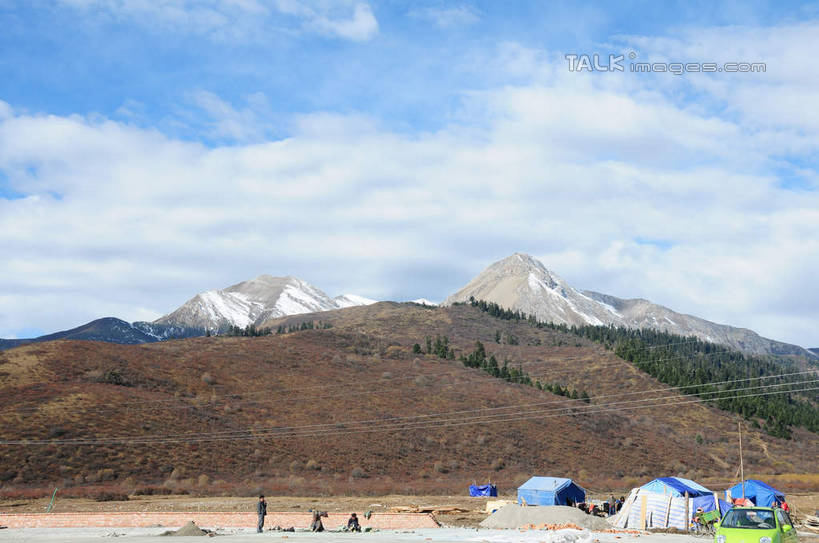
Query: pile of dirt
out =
(514, 516)
(189, 529)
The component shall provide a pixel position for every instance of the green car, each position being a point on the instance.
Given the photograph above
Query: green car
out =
(756, 525)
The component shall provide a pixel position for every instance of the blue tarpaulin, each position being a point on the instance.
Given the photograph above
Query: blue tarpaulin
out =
(676, 486)
(483, 490)
(550, 491)
(707, 504)
(662, 503)
(763, 495)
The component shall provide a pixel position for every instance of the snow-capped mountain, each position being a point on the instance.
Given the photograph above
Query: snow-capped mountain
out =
(522, 283)
(255, 301)
(424, 301)
(351, 300)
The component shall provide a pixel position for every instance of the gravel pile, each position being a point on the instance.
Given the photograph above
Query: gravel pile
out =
(189, 529)
(516, 516)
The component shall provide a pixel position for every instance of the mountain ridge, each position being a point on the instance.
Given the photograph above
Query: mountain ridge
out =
(518, 282)
(243, 304)
(521, 282)
(111, 330)
(254, 301)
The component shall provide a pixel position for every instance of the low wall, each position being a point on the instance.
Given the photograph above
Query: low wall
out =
(378, 521)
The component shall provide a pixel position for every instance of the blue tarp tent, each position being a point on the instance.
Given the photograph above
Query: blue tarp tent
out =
(763, 495)
(483, 490)
(677, 487)
(550, 491)
(707, 504)
(661, 503)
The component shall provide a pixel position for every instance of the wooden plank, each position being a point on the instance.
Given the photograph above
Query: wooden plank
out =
(668, 511)
(643, 506)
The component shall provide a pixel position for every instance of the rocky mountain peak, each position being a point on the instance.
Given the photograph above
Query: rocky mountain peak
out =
(521, 282)
(254, 301)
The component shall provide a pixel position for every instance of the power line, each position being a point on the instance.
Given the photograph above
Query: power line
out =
(431, 425)
(312, 430)
(572, 408)
(561, 401)
(478, 378)
(291, 394)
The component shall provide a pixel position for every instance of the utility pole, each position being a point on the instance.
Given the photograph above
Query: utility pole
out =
(741, 467)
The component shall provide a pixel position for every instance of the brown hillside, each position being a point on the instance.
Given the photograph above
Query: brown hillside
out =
(350, 380)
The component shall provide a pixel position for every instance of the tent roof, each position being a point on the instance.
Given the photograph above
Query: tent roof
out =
(547, 483)
(756, 484)
(678, 485)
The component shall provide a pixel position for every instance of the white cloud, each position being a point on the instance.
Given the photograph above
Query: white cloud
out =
(447, 17)
(239, 19)
(5, 110)
(199, 17)
(360, 26)
(249, 123)
(582, 171)
(779, 97)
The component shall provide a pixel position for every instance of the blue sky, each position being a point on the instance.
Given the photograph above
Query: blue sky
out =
(152, 149)
(140, 65)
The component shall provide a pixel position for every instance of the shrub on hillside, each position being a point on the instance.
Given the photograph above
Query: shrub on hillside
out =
(111, 497)
(111, 376)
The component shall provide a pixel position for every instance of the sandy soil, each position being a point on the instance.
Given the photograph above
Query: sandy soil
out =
(807, 503)
(474, 506)
(445, 535)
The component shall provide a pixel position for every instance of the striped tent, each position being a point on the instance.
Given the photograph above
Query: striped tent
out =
(662, 503)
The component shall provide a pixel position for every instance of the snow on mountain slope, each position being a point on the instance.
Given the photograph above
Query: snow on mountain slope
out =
(424, 301)
(350, 300)
(523, 283)
(254, 301)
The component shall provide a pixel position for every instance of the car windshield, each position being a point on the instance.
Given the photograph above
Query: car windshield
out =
(749, 518)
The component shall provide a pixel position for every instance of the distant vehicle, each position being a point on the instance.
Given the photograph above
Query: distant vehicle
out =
(756, 525)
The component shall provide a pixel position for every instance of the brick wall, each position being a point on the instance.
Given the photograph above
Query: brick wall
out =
(381, 521)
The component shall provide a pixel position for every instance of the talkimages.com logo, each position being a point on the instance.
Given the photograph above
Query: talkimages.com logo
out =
(617, 63)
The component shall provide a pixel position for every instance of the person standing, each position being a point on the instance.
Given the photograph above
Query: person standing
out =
(261, 509)
(316, 525)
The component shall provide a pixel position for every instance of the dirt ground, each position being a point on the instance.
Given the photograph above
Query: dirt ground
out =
(474, 507)
(438, 535)
(473, 514)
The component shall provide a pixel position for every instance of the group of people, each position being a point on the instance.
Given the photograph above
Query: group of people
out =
(607, 508)
(353, 525)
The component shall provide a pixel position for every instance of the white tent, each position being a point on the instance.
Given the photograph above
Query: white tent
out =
(667, 502)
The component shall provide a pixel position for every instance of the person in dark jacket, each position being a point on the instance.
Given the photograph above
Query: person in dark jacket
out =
(353, 524)
(316, 525)
(261, 510)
